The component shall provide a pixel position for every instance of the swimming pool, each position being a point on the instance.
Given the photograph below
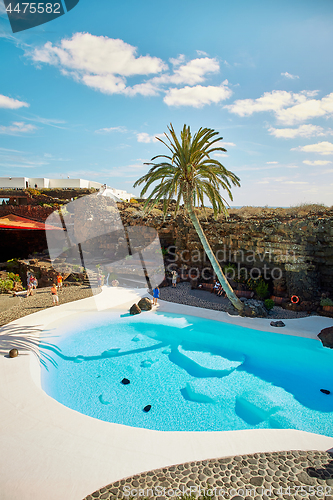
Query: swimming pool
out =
(196, 374)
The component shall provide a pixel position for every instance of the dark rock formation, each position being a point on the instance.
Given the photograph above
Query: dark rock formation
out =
(326, 337)
(125, 381)
(135, 309)
(254, 309)
(277, 323)
(145, 304)
(147, 408)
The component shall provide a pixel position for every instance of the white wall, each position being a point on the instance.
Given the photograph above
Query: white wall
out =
(120, 193)
(41, 182)
(13, 182)
(96, 185)
(73, 183)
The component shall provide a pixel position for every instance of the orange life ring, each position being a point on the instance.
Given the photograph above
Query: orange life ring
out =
(294, 299)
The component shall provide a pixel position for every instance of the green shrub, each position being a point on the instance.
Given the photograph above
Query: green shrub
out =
(14, 277)
(229, 270)
(252, 283)
(6, 285)
(326, 302)
(269, 304)
(262, 289)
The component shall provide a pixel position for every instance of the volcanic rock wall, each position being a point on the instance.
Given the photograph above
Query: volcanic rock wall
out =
(295, 253)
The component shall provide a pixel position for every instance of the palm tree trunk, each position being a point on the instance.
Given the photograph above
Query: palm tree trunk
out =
(213, 260)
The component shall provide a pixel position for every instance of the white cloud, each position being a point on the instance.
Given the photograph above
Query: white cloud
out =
(146, 89)
(194, 71)
(301, 131)
(98, 61)
(178, 60)
(201, 53)
(111, 129)
(17, 128)
(229, 144)
(272, 162)
(307, 109)
(144, 137)
(221, 154)
(270, 101)
(196, 96)
(288, 75)
(191, 73)
(316, 162)
(9, 103)
(105, 64)
(289, 108)
(323, 148)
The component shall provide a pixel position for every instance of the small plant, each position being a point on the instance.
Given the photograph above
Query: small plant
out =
(269, 304)
(326, 302)
(262, 289)
(6, 285)
(252, 284)
(229, 270)
(14, 277)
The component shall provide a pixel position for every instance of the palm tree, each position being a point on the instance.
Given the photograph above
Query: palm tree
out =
(189, 173)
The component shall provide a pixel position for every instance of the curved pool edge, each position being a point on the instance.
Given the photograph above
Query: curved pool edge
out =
(50, 451)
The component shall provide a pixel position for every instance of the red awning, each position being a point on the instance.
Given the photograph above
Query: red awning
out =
(12, 221)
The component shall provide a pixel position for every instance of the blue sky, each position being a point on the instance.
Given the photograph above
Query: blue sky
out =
(85, 94)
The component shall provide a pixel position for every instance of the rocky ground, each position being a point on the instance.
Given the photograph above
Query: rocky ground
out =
(183, 294)
(290, 475)
(12, 308)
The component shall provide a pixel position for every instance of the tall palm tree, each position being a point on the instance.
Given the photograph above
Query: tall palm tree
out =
(189, 173)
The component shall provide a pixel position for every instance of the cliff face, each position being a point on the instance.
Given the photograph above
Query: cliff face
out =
(294, 251)
(292, 248)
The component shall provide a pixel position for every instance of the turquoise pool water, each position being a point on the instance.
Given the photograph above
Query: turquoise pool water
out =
(197, 374)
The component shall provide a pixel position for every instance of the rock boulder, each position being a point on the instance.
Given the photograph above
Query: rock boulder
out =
(145, 304)
(326, 337)
(135, 309)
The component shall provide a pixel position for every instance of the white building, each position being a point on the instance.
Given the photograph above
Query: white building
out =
(43, 183)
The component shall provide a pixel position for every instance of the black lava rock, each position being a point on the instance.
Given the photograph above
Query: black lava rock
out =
(147, 408)
(325, 391)
(277, 323)
(125, 381)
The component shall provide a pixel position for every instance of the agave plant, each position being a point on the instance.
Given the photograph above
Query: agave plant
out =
(189, 173)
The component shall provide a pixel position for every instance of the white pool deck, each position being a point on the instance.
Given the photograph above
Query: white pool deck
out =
(49, 451)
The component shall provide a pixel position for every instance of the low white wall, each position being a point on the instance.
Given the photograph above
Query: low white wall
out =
(13, 182)
(41, 182)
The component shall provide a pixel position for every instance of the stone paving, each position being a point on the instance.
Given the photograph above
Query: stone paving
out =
(290, 475)
(182, 294)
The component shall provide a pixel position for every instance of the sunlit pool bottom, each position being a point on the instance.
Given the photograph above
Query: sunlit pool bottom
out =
(197, 374)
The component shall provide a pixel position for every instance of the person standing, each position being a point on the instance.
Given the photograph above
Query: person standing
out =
(156, 295)
(54, 292)
(30, 286)
(59, 281)
(174, 278)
